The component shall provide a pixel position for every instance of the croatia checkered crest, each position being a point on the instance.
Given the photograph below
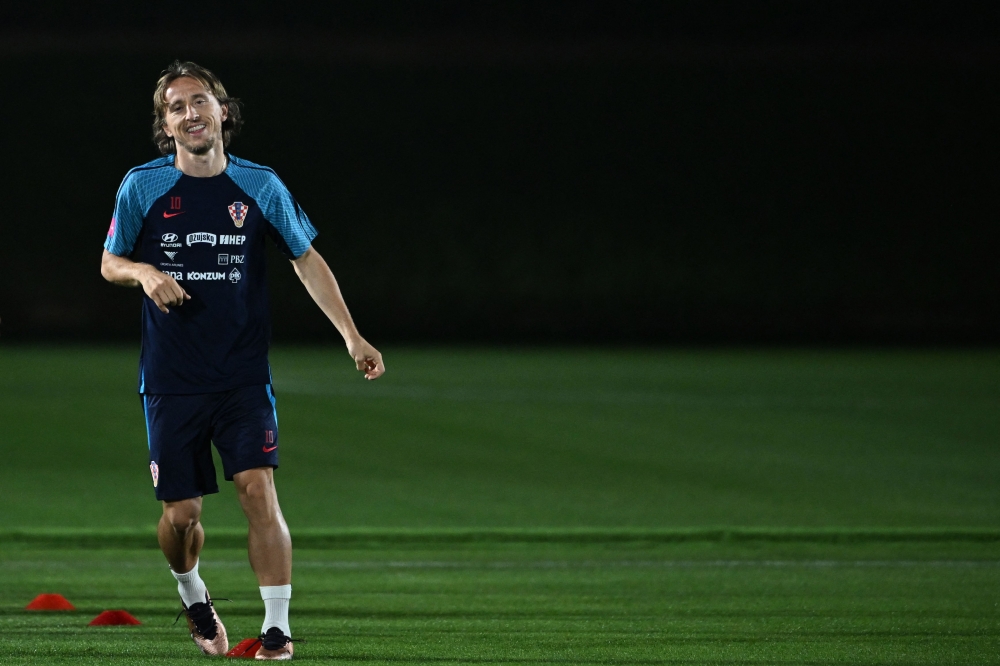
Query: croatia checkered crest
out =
(238, 211)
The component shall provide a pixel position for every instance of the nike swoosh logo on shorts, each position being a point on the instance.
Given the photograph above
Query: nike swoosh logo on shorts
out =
(169, 215)
(268, 450)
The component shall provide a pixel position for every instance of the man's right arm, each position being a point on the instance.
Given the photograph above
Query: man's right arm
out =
(160, 287)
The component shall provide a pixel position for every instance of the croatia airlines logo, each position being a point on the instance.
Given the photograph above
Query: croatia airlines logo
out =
(201, 237)
(238, 211)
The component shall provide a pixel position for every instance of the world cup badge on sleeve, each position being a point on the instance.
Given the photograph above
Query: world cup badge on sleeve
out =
(154, 469)
(238, 211)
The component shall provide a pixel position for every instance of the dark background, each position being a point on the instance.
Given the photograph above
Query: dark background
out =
(694, 172)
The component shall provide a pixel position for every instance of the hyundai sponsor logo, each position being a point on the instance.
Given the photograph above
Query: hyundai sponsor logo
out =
(169, 238)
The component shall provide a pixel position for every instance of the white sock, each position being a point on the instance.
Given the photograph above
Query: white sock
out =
(276, 599)
(191, 587)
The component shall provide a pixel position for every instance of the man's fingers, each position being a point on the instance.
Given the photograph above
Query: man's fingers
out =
(164, 290)
(163, 297)
(169, 293)
(375, 368)
(370, 365)
(176, 293)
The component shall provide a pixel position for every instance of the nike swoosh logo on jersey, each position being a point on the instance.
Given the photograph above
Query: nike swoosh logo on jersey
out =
(169, 215)
(268, 450)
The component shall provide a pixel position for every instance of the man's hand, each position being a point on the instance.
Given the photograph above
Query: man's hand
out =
(366, 358)
(162, 289)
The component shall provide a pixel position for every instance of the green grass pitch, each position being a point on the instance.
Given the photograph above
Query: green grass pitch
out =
(560, 506)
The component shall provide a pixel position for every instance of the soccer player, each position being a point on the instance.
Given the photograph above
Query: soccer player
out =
(189, 228)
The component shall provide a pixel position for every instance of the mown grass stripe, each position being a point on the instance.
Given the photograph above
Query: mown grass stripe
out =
(334, 538)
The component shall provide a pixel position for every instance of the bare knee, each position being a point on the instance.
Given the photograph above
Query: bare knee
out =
(182, 516)
(254, 484)
(253, 491)
(255, 488)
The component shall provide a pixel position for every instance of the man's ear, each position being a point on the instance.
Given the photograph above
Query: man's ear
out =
(166, 130)
(225, 112)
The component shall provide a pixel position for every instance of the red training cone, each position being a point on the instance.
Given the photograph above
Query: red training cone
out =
(245, 649)
(114, 617)
(50, 602)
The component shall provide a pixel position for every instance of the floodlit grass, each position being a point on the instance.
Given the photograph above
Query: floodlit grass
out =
(538, 506)
(542, 438)
(538, 604)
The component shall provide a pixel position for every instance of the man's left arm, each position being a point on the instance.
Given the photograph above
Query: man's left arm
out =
(322, 286)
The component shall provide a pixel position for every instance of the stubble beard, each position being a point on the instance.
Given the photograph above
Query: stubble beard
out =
(200, 149)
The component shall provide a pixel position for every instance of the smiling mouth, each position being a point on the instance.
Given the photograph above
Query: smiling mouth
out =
(195, 129)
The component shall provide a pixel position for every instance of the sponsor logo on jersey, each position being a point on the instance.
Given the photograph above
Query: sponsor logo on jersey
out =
(238, 211)
(111, 229)
(205, 275)
(201, 237)
(154, 469)
(223, 259)
(167, 215)
(236, 258)
(230, 239)
(170, 240)
(235, 276)
(170, 255)
(177, 275)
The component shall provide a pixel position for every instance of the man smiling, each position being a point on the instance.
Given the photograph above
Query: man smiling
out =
(189, 228)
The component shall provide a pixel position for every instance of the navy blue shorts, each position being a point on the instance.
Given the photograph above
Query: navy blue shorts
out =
(242, 423)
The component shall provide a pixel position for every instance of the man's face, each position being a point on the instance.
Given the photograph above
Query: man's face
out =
(194, 116)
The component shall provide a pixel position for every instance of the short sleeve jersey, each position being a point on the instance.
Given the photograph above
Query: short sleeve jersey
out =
(207, 233)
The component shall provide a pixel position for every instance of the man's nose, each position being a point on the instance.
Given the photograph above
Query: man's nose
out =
(192, 113)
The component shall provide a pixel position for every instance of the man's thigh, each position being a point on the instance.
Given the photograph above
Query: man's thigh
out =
(180, 453)
(245, 430)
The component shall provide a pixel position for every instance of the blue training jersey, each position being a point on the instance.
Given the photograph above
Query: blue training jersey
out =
(208, 233)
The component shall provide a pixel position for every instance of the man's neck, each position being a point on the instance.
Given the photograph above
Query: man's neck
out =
(210, 164)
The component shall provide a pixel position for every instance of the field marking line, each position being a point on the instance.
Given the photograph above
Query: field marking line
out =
(482, 394)
(531, 564)
(392, 538)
